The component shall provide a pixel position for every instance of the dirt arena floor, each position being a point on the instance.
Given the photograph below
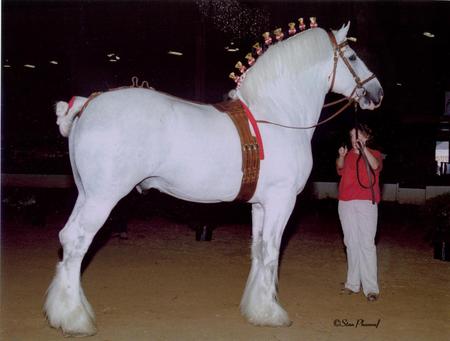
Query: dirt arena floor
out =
(162, 284)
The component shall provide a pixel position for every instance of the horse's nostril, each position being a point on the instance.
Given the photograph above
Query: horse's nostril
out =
(375, 99)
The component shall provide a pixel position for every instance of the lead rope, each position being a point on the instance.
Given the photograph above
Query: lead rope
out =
(370, 171)
(349, 102)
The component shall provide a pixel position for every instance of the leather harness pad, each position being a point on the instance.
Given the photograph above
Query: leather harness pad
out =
(250, 148)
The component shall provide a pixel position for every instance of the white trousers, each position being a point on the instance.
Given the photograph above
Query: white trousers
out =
(359, 224)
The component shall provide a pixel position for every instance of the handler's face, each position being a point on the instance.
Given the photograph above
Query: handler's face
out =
(361, 137)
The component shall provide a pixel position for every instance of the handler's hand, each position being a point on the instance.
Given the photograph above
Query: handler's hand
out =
(343, 151)
(361, 144)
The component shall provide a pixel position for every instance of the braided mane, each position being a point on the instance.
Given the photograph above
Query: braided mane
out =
(284, 60)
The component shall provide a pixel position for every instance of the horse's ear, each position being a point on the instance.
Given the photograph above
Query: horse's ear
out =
(342, 33)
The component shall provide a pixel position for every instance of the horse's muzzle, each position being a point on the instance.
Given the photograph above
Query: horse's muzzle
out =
(372, 98)
(376, 100)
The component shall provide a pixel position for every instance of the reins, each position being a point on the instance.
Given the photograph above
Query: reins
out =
(370, 174)
(369, 170)
(349, 102)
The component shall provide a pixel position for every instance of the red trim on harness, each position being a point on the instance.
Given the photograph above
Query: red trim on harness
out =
(252, 120)
(71, 102)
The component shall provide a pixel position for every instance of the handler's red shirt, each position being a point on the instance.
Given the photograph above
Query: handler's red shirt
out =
(349, 187)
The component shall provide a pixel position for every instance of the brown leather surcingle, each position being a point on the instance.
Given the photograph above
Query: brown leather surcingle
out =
(250, 148)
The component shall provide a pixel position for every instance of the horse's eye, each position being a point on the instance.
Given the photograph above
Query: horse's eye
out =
(352, 57)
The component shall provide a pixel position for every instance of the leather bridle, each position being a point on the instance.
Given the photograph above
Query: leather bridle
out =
(338, 52)
(359, 89)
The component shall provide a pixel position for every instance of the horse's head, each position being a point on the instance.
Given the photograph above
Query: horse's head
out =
(350, 76)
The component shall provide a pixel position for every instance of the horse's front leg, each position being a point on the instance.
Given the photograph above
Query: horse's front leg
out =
(260, 300)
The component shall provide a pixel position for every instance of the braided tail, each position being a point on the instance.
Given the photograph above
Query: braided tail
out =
(66, 112)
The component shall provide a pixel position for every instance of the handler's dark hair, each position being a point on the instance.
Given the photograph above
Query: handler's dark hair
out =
(365, 129)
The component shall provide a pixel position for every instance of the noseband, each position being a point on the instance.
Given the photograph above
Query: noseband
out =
(338, 52)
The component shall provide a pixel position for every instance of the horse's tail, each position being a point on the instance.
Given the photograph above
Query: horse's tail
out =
(66, 113)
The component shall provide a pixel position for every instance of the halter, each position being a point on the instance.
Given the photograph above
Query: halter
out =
(338, 52)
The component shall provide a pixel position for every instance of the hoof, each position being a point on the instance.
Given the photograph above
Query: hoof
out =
(68, 310)
(275, 316)
(274, 324)
(79, 334)
(74, 325)
(371, 297)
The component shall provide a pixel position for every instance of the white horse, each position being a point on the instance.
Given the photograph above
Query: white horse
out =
(140, 137)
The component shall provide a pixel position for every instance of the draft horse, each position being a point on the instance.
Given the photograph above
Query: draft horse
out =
(141, 137)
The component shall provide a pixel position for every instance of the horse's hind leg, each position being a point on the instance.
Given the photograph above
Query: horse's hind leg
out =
(66, 306)
(259, 303)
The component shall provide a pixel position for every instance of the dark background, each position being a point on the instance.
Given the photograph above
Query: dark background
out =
(413, 69)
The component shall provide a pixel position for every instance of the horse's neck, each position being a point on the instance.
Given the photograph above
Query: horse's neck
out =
(295, 101)
(289, 82)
